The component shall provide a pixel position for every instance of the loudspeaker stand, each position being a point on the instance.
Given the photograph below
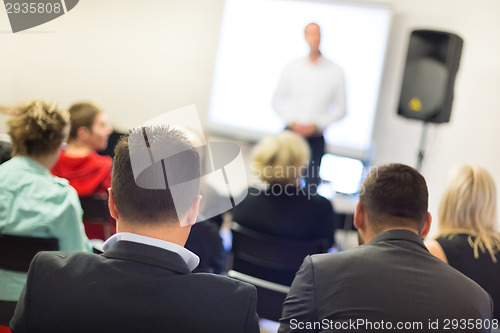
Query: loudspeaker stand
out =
(421, 151)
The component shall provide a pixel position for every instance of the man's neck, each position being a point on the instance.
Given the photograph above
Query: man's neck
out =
(402, 228)
(169, 233)
(314, 55)
(369, 236)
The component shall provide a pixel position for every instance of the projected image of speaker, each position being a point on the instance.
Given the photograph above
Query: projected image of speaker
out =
(431, 67)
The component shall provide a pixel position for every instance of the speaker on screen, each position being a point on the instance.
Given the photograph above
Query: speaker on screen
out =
(429, 77)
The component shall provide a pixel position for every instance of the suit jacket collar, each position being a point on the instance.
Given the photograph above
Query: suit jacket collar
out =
(398, 234)
(191, 259)
(147, 254)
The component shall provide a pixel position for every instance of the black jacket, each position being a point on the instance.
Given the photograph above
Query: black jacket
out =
(131, 287)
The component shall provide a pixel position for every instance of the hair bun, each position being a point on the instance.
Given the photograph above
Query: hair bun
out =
(37, 128)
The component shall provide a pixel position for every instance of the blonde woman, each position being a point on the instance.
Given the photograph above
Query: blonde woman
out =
(32, 201)
(467, 238)
(285, 208)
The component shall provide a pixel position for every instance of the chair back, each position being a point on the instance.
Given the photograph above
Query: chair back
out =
(269, 263)
(271, 258)
(16, 252)
(270, 295)
(95, 209)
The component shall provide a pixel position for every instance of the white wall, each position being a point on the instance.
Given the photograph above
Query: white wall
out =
(138, 59)
(473, 132)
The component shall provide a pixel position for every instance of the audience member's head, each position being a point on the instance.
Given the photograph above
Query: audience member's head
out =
(89, 126)
(38, 129)
(313, 36)
(282, 158)
(148, 199)
(393, 196)
(469, 206)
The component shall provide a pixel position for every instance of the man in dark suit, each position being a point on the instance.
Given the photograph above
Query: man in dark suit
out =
(143, 281)
(392, 282)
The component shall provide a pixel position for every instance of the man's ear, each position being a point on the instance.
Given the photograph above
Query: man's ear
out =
(427, 226)
(359, 217)
(112, 204)
(192, 213)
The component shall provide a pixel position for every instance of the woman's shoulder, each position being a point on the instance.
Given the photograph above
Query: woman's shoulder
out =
(55, 190)
(435, 249)
(25, 175)
(454, 240)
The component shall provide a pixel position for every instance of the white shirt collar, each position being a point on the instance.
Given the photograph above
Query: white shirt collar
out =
(321, 61)
(191, 259)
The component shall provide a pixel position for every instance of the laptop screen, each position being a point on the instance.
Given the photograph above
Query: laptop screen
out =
(340, 175)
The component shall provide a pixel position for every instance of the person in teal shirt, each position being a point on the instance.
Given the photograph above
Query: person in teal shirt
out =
(32, 201)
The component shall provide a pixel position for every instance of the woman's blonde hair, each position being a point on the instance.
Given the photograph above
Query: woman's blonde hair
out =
(281, 158)
(469, 206)
(37, 128)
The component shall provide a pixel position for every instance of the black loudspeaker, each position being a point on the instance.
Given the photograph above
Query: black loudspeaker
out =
(431, 68)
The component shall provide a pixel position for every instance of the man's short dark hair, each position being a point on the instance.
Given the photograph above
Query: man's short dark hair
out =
(180, 163)
(395, 195)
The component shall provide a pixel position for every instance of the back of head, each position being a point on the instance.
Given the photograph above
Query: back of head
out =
(469, 205)
(166, 189)
(395, 195)
(281, 158)
(469, 202)
(37, 128)
(82, 115)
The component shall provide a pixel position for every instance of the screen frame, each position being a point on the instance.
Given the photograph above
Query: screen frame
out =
(253, 135)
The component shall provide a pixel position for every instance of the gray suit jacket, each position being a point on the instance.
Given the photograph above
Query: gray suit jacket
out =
(393, 279)
(131, 287)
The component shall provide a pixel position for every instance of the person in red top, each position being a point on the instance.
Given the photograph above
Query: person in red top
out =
(88, 172)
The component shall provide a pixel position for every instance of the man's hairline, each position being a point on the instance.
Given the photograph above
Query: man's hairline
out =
(377, 221)
(144, 221)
